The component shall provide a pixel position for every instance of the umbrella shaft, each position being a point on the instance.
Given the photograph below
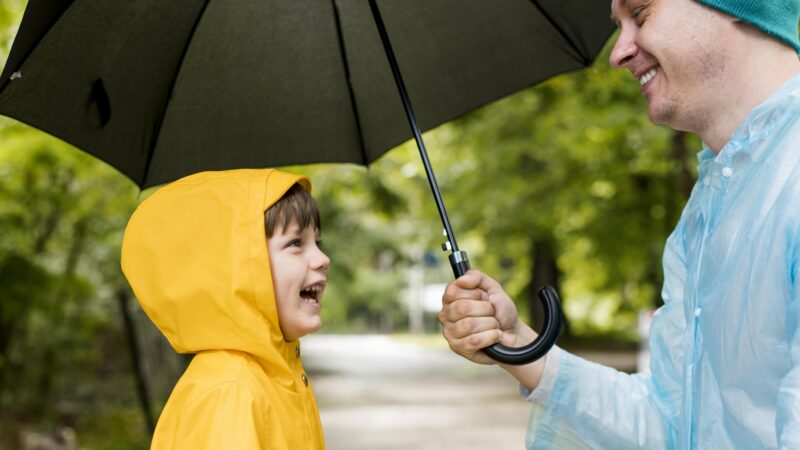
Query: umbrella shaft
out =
(387, 46)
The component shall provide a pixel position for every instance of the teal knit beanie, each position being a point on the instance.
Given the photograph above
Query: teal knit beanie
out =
(778, 18)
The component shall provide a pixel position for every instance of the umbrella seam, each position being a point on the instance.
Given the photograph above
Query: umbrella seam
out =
(353, 104)
(160, 121)
(586, 61)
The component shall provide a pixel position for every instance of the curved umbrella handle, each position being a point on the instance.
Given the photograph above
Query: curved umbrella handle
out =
(546, 339)
(542, 344)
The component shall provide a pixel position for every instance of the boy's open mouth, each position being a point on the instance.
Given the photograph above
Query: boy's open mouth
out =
(313, 293)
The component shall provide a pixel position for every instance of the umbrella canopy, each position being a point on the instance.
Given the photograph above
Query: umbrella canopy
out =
(160, 90)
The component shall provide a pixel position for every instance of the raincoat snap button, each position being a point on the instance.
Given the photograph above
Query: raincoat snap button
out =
(297, 351)
(305, 379)
(727, 171)
(697, 312)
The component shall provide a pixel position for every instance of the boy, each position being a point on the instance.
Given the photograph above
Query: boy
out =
(228, 266)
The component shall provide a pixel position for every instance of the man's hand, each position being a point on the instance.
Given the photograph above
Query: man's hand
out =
(476, 313)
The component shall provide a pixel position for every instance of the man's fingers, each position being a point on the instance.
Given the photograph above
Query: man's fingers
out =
(469, 280)
(484, 282)
(475, 310)
(473, 343)
(473, 325)
(465, 308)
(453, 292)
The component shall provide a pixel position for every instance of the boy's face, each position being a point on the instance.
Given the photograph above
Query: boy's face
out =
(299, 275)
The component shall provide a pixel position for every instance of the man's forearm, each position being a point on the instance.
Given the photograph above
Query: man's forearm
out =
(529, 375)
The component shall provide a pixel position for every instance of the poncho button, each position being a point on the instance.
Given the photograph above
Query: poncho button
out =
(305, 379)
(297, 351)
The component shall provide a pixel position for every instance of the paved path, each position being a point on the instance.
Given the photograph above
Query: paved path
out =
(384, 393)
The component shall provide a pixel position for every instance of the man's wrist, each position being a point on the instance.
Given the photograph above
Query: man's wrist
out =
(529, 374)
(523, 334)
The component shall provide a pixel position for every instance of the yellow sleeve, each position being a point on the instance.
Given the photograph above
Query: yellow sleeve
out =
(227, 416)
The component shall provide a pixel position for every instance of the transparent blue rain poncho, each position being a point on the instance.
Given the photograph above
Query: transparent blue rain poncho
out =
(725, 366)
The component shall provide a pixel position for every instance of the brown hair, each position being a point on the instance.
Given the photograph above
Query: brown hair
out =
(296, 204)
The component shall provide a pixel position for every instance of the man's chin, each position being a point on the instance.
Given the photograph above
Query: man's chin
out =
(661, 115)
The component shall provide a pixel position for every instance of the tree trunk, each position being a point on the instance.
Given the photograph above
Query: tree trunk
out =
(544, 272)
(684, 177)
(123, 297)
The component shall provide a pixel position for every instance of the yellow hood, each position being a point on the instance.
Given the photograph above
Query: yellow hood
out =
(195, 254)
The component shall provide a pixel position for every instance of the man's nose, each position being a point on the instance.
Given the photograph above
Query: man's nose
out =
(624, 50)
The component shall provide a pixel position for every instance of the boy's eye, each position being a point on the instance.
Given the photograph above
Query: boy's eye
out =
(295, 243)
(319, 244)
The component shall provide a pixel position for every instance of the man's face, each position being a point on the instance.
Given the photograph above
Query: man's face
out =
(677, 50)
(299, 275)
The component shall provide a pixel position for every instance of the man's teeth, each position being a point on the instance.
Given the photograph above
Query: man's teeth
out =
(647, 77)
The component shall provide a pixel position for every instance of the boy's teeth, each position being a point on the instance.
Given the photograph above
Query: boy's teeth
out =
(311, 293)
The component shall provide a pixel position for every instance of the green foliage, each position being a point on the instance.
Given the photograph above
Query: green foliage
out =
(115, 429)
(576, 163)
(363, 234)
(573, 163)
(61, 214)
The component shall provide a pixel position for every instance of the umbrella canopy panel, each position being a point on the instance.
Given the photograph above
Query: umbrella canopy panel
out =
(160, 89)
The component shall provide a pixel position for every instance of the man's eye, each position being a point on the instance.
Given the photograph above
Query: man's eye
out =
(639, 13)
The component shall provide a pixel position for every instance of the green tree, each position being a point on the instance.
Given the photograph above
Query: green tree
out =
(569, 184)
(61, 215)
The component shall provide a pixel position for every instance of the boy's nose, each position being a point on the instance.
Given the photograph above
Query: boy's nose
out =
(625, 48)
(320, 261)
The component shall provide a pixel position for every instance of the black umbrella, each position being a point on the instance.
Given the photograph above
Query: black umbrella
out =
(162, 89)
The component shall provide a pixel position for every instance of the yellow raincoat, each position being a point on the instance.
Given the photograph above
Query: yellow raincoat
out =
(195, 254)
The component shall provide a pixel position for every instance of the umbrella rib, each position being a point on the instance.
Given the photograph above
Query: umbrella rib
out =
(157, 126)
(26, 40)
(353, 104)
(586, 61)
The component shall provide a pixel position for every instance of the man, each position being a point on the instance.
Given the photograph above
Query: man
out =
(725, 345)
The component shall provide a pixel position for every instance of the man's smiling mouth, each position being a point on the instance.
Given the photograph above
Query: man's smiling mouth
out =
(644, 79)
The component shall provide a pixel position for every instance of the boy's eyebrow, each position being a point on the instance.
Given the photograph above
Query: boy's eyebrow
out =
(293, 230)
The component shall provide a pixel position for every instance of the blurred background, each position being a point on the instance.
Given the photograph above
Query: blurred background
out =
(565, 184)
